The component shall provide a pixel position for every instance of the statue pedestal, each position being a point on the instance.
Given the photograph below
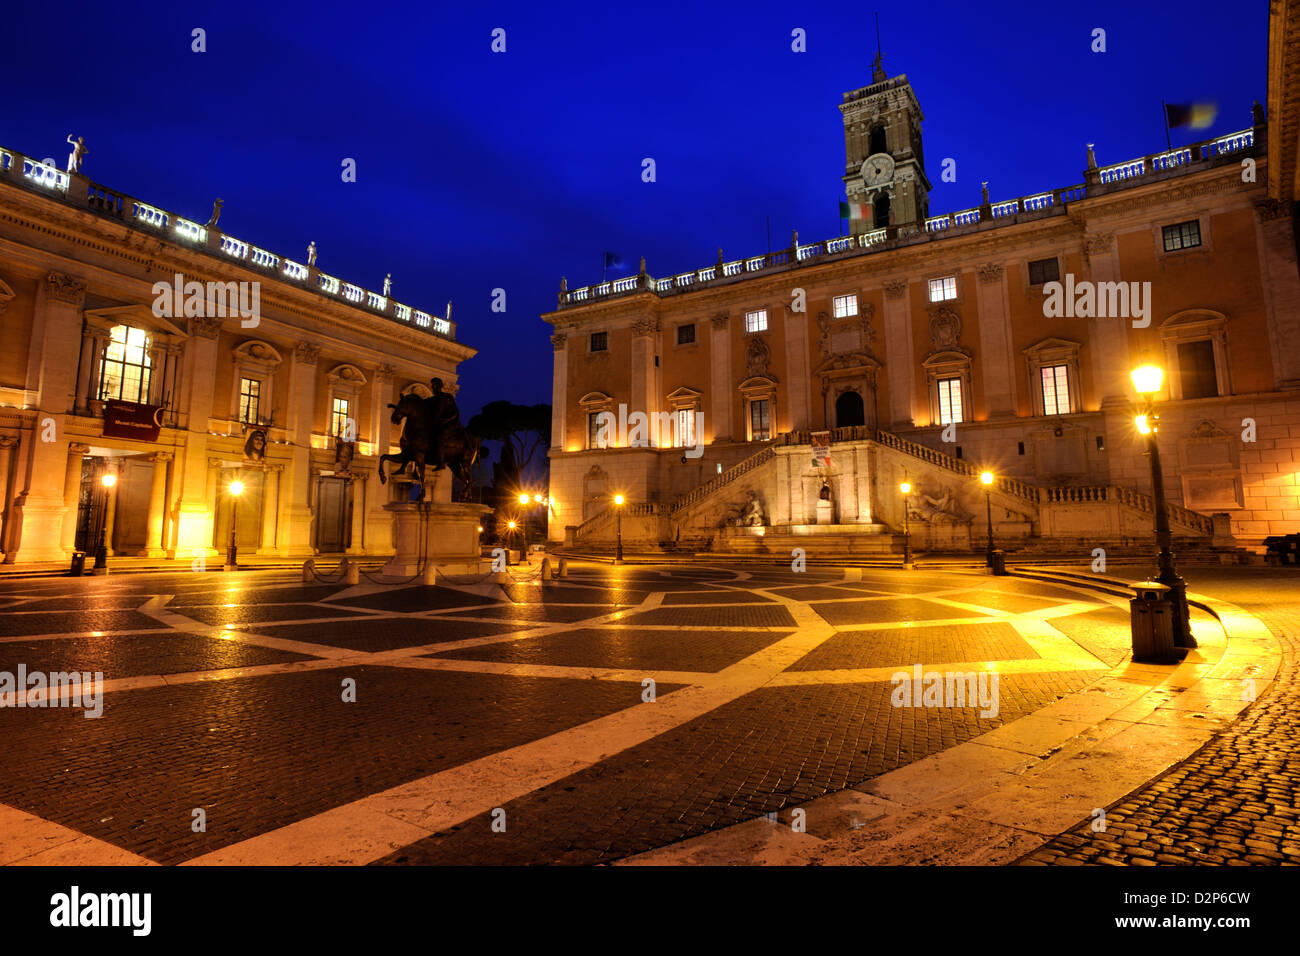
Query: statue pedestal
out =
(825, 512)
(435, 531)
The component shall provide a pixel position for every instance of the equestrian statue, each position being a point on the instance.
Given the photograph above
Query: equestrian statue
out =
(432, 434)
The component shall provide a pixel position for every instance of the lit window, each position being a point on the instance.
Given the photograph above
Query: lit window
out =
(340, 415)
(1183, 235)
(756, 321)
(599, 341)
(594, 439)
(760, 419)
(686, 427)
(127, 366)
(685, 334)
(949, 401)
(845, 306)
(250, 398)
(943, 289)
(1044, 270)
(1056, 389)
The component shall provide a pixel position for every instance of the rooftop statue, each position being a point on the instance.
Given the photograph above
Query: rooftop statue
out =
(79, 152)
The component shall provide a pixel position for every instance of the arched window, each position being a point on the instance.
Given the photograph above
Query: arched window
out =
(849, 410)
(877, 141)
(127, 366)
(881, 210)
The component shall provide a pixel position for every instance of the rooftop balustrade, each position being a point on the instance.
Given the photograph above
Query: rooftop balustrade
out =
(41, 177)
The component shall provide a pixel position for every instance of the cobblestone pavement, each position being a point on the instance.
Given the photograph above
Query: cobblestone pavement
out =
(615, 711)
(1237, 800)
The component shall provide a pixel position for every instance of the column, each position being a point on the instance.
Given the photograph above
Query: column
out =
(379, 523)
(295, 504)
(100, 339)
(157, 505)
(357, 544)
(643, 397)
(41, 505)
(88, 355)
(72, 495)
(559, 389)
(900, 360)
(722, 413)
(998, 374)
(110, 514)
(1276, 239)
(270, 508)
(796, 368)
(1107, 337)
(194, 510)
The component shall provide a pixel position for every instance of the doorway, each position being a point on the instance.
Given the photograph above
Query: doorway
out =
(333, 514)
(849, 410)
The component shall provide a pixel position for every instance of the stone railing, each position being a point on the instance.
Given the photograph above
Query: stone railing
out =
(1037, 205)
(726, 478)
(1138, 500)
(41, 177)
(606, 515)
(1010, 486)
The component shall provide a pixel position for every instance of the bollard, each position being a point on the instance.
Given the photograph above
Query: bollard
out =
(430, 577)
(308, 570)
(351, 571)
(564, 568)
(500, 577)
(547, 575)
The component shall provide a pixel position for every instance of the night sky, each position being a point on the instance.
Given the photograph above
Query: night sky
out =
(478, 170)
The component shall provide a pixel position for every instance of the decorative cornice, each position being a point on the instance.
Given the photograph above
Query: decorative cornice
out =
(894, 288)
(205, 327)
(306, 353)
(384, 371)
(65, 288)
(77, 448)
(1095, 245)
(720, 320)
(161, 456)
(990, 273)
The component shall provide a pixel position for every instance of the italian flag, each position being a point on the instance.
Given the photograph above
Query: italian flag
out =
(853, 210)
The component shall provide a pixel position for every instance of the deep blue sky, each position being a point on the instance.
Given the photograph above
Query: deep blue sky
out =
(479, 170)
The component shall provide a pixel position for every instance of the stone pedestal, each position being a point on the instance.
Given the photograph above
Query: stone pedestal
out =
(433, 532)
(825, 512)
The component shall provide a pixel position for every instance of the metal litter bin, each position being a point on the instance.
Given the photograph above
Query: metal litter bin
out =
(999, 562)
(1152, 617)
(78, 564)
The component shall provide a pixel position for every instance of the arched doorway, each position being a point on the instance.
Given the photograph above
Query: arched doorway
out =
(849, 410)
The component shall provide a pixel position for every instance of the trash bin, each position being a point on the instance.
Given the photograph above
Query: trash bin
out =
(1152, 620)
(999, 562)
(78, 564)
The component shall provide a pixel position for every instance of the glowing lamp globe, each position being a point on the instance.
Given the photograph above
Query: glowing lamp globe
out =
(1147, 379)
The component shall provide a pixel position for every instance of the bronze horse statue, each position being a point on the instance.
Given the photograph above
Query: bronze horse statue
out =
(431, 434)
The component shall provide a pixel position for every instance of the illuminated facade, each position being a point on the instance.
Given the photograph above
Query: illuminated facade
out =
(180, 359)
(932, 347)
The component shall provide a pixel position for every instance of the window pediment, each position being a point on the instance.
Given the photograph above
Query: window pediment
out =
(595, 400)
(347, 375)
(137, 316)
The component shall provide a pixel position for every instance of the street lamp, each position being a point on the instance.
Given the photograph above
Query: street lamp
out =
(618, 524)
(236, 488)
(108, 480)
(523, 500)
(906, 489)
(1146, 381)
(986, 479)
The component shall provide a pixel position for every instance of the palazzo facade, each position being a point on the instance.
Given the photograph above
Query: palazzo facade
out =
(930, 347)
(255, 368)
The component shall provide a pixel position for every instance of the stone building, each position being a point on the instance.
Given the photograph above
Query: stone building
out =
(932, 347)
(179, 358)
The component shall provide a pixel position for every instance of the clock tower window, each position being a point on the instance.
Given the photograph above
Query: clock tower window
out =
(880, 211)
(877, 141)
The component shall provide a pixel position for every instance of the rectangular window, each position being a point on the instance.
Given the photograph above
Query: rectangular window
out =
(685, 427)
(593, 430)
(760, 420)
(685, 334)
(1044, 270)
(250, 399)
(599, 341)
(845, 306)
(1196, 369)
(1056, 389)
(756, 321)
(126, 368)
(943, 289)
(949, 401)
(340, 415)
(1182, 235)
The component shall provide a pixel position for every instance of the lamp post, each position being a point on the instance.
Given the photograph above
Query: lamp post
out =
(618, 525)
(906, 489)
(986, 479)
(236, 488)
(523, 500)
(108, 480)
(1147, 380)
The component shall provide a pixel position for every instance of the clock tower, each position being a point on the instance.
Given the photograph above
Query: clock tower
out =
(885, 171)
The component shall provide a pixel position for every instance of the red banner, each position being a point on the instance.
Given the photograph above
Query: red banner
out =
(129, 420)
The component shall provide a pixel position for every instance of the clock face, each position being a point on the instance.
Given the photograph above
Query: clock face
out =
(877, 169)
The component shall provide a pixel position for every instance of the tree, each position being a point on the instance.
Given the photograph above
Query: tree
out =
(522, 430)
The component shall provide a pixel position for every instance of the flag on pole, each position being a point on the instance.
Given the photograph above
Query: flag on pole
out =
(1191, 115)
(853, 210)
(613, 261)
